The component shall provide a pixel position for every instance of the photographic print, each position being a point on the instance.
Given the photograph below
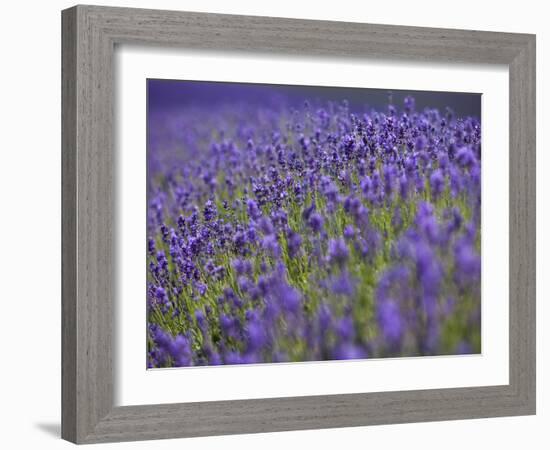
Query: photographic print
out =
(305, 223)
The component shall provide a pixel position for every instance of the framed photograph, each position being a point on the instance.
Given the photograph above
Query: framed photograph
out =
(278, 224)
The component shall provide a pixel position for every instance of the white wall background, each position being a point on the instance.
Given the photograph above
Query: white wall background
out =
(30, 237)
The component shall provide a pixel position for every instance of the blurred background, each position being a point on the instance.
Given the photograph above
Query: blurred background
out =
(166, 95)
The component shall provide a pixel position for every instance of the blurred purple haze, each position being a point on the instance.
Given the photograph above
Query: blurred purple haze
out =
(173, 95)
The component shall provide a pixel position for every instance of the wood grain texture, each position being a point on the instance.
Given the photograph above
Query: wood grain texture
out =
(68, 225)
(523, 224)
(88, 208)
(90, 34)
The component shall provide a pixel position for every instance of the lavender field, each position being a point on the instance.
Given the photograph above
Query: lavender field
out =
(288, 229)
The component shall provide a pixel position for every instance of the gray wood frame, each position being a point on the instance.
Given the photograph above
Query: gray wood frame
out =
(89, 37)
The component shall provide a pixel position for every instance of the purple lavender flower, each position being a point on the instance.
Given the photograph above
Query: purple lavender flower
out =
(324, 317)
(343, 284)
(338, 251)
(180, 350)
(210, 211)
(437, 183)
(366, 185)
(266, 226)
(294, 243)
(316, 222)
(468, 263)
(465, 157)
(391, 322)
(256, 333)
(349, 232)
(345, 329)
(271, 245)
(253, 210)
(404, 187)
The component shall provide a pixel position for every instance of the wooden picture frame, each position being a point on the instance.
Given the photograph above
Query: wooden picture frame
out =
(90, 34)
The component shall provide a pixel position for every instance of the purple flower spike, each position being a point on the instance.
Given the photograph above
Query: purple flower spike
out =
(343, 285)
(338, 251)
(468, 263)
(437, 183)
(391, 322)
(294, 243)
(465, 157)
(210, 211)
(253, 209)
(266, 226)
(271, 245)
(316, 222)
(181, 351)
(349, 232)
(290, 298)
(256, 333)
(345, 329)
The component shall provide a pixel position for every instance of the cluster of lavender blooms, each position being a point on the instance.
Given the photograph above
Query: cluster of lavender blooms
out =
(280, 234)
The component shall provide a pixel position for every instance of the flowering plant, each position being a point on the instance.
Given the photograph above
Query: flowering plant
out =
(314, 233)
